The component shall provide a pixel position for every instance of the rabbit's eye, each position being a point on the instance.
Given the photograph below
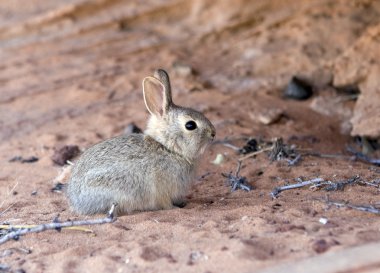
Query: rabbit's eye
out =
(191, 125)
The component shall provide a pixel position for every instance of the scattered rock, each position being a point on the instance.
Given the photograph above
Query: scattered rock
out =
(132, 128)
(196, 256)
(65, 153)
(4, 268)
(218, 160)
(30, 159)
(320, 246)
(249, 147)
(244, 218)
(58, 187)
(270, 116)
(298, 89)
(183, 70)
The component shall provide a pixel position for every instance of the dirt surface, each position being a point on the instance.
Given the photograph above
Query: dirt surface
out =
(71, 72)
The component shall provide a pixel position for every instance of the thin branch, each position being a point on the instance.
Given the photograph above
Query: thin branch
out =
(236, 181)
(255, 153)
(318, 154)
(58, 226)
(292, 162)
(363, 157)
(370, 209)
(233, 147)
(301, 184)
(375, 183)
(13, 227)
(336, 186)
(238, 168)
(228, 140)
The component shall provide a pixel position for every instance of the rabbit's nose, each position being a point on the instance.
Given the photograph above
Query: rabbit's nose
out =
(213, 134)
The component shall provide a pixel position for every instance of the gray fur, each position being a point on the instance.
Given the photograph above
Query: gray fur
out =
(146, 171)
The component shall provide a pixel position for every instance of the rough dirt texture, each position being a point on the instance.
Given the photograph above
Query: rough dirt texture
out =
(71, 72)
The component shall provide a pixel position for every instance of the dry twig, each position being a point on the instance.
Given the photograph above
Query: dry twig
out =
(15, 234)
(318, 183)
(337, 186)
(236, 181)
(370, 209)
(375, 183)
(301, 184)
(363, 157)
(255, 153)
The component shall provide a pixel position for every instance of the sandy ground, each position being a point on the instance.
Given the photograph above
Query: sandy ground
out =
(71, 72)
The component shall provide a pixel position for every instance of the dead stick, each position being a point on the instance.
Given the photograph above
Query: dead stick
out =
(58, 226)
(277, 190)
(255, 153)
(370, 209)
(317, 154)
(363, 157)
(233, 147)
(238, 169)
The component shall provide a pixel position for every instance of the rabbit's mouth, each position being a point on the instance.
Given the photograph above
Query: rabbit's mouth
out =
(205, 146)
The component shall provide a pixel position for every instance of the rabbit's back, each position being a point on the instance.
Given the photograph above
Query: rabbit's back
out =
(134, 171)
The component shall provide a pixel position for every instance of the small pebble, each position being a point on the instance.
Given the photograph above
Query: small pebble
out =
(320, 246)
(58, 187)
(183, 70)
(270, 116)
(218, 160)
(4, 267)
(323, 220)
(249, 147)
(197, 256)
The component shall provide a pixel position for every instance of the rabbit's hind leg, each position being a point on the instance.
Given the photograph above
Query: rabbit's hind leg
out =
(164, 202)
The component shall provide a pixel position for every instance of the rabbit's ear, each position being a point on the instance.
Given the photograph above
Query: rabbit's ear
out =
(163, 76)
(156, 96)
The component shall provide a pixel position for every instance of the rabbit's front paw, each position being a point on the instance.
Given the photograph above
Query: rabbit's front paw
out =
(179, 203)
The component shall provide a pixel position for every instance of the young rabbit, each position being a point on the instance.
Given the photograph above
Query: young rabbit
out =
(149, 171)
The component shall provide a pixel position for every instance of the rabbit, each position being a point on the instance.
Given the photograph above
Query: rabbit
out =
(148, 171)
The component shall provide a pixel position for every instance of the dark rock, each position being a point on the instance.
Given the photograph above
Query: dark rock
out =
(58, 187)
(30, 159)
(65, 153)
(298, 89)
(132, 128)
(320, 246)
(249, 147)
